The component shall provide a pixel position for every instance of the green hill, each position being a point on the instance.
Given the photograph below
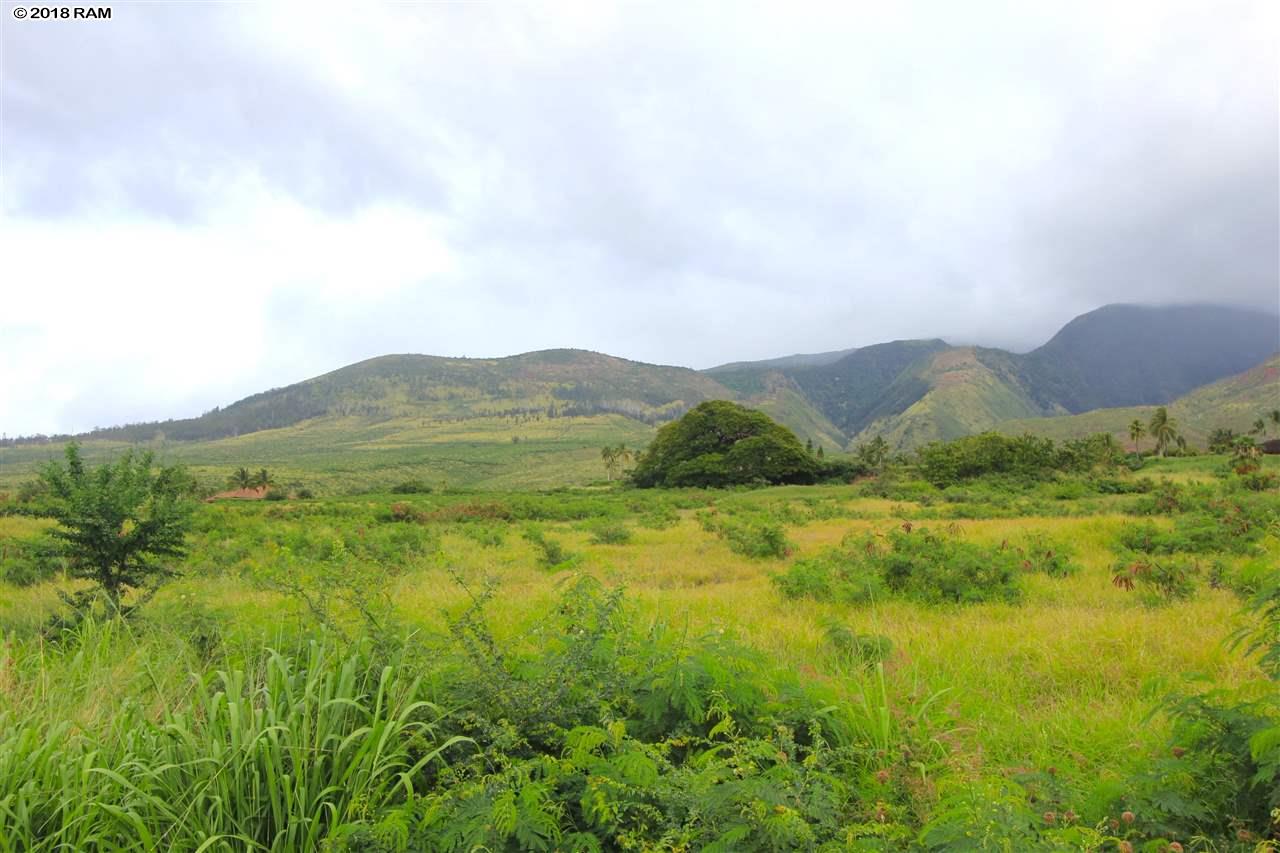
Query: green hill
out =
(968, 390)
(532, 420)
(539, 419)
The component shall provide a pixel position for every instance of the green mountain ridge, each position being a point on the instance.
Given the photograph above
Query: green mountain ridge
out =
(550, 405)
(1234, 403)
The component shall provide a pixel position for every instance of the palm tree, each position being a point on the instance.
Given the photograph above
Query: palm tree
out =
(1136, 431)
(263, 478)
(242, 479)
(610, 455)
(1163, 429)
(1259, 427)
(1275, 417)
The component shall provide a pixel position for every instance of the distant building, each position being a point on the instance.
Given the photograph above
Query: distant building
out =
(1271, 445)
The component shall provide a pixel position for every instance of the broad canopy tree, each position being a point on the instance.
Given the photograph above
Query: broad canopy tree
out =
(719, 443)
(116, 523)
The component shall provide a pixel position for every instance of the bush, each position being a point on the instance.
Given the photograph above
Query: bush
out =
(833, 576)
(1222, 526)
(1039, 553)
(861, 649)
(754, 538)
(659, 517)
(487, 535)
(1162, 579)
(910, 563)
(275, 494)
(551, 554)
(26, 562)
(411, 487)
(609, 738)
(1024, 457)
(610, 533)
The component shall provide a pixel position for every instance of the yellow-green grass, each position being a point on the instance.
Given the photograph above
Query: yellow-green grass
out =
(1067, 677)
(336, 455)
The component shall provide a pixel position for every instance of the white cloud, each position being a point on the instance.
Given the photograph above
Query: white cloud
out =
(270, 191)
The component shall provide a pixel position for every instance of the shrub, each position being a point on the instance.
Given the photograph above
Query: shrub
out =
(609, 738)
(932, 569)
(275, 494)
(1039, 553)
(860, 649)
(659, 517)
(834, 576)
(610, 533)
(551, 554)
(487, 535)
(754, 538)
(911, 563)
(1163, 579)
(411, 487)
(26, 562)
(1026, 457)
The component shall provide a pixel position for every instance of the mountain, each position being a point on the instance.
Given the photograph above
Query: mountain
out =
(558, 382)
(1122, 355)
(908, 391)
(1235, 403)
(967, 390)
(911, 392)
(812, 359)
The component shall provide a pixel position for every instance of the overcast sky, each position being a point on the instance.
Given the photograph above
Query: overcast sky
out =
(204, 200)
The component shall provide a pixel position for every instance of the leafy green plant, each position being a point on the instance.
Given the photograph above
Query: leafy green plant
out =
(1162, 579)
(552, 555)
(1037, 552)
(610, 533)
(117, 522)
(908, 562)
(411, 487)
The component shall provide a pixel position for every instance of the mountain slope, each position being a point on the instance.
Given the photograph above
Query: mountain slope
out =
(1122, 355)
(811, 359)
(969, 390)
(553, 381)
(867, 384)
(911, 392)
(908, 391)
(1235, 402)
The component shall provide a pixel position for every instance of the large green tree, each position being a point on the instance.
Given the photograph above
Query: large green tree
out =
(118, 522)
(719, 443)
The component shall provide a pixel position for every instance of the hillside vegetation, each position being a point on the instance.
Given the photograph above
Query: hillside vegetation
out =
(416, 414)
(1005, 645)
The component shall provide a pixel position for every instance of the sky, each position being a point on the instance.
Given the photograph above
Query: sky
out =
(199, 200)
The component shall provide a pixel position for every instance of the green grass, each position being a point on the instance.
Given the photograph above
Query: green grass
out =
(183, 729)
(337, 455)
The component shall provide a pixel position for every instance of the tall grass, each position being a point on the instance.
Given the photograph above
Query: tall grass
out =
(278, 755)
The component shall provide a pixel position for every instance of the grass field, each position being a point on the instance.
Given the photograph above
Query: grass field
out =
(981, 714)
(340, 455)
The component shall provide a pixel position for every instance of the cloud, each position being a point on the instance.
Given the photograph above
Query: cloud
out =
(204, 200)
